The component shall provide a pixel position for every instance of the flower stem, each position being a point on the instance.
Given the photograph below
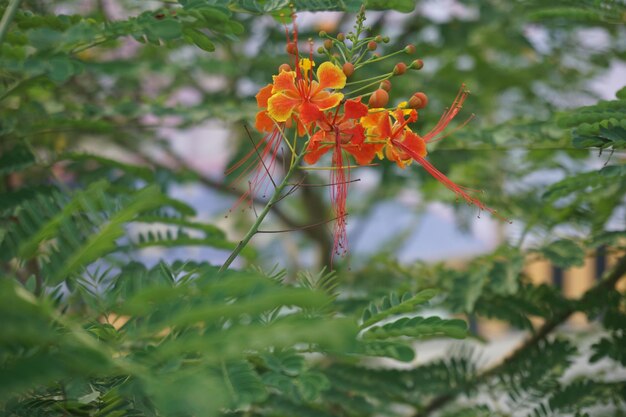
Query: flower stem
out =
(8, 16)
(276, 197)
(365, 87)
(380, 58)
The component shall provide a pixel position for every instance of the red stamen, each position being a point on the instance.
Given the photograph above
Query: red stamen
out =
(458, 190)
(265, 150)
(340, 179)
(447, 117)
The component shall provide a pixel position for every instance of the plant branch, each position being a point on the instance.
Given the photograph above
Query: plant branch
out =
(607, 283)
(315, 233)
(7, 18)
(272, 201)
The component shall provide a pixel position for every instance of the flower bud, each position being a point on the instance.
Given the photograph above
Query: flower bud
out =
(371, 45)
(284, 67)
(386, 39)
(417, 64)
(322, 33)
(399, 69)
(292, 48)
(385, 85)
(328, 44)
(348, 69)
(341, 37)
(418, 101)
(409, 49)
(378, 99)
(378, 39)
(321, 50)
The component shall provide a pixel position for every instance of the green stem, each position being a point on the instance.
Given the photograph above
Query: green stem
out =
(82, 48)
(380, 58)
(365, 87)
(273, 200)
(365, 80)
(8, 16)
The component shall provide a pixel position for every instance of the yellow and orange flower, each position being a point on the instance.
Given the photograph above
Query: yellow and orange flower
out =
(345, 132)
(341, 133)
(391, 135)
(403, 146)
(296, 92)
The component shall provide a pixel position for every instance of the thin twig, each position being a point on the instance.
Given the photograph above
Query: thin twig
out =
(302, 227)
(271, 203)
(256, 150)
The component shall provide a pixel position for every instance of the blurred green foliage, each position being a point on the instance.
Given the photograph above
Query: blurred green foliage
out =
(86, 329)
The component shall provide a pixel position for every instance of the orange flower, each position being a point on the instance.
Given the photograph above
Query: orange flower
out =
(341, 133)
(345, 132)
(404, 146)
(381, 129)
(296, 92)
(263, 122)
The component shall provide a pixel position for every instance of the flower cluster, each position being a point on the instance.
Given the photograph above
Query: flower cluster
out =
(350, 120)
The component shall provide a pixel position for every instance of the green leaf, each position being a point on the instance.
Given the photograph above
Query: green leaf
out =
(614, 171)
(394, 350)
(404, 6)
(201, 40)
(467, 288)
(104, 240)
(311, 384)
(166, 29)
(287, 361)
(419, 327)
(79, 203)
(564, 253)
(504, 275)
(44, 38)
(243, 383)
(16, 159)
(392, 305)
(60, 69)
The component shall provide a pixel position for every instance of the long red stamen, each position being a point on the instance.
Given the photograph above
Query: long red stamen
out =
(457, 189)
(265, 153)
(339, 179)
(447, 117)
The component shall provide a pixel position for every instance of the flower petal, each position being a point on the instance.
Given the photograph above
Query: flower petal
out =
(365, 153)
(354, 109)
(415, 143)
(401, 158)
(325, 100)
(378, 124)
(263, 95)
(330, 75)
(284, 81)
(316, 148)
(309, 113)
(280, 107)
(263, 122)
